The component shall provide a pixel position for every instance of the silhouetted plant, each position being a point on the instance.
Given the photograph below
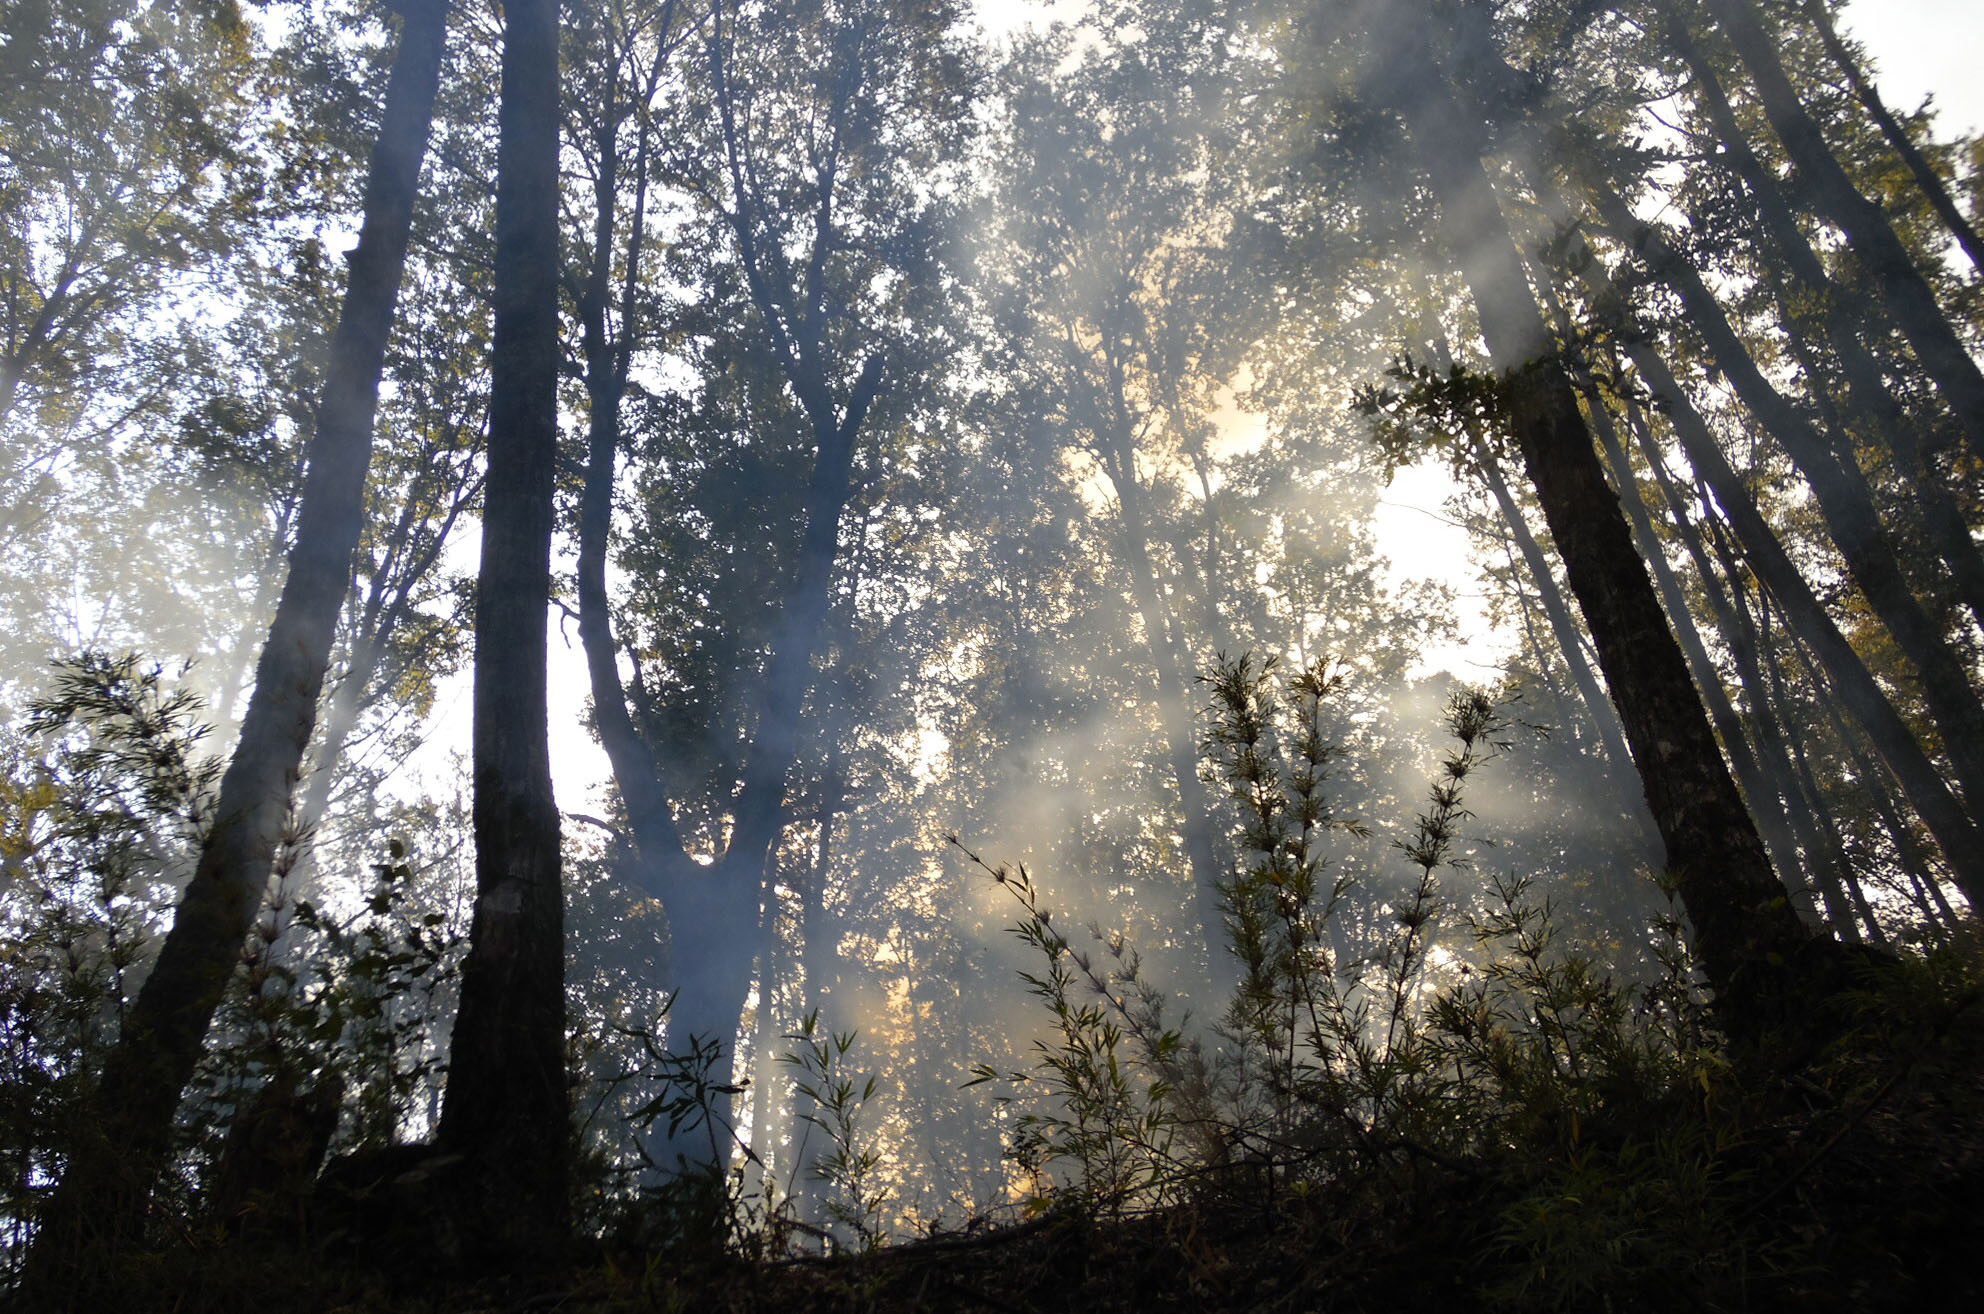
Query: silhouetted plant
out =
(851, 1163)
(1107, 1121)
(102, 805)
(1591, 1102)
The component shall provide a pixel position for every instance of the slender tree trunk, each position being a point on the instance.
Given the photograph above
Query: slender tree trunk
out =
(1828, 877)
(1172, 678)
(1563, 626)
(506, 1111)
(1910, 854)
(712, 909)
(1910, 301)
(1919, 168)
(636, 773)
(1939, 526)
(773, 966)
(112, 1167)
(1845, 900)
(819, 957)
(1777, 776)
(1570, 642)
(1744, 926)
(1758, 792)
(1842, 316)
(1843, 499)
(1920, 780)
(1749, 640)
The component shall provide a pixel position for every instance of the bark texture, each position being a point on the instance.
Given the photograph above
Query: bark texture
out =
(506, 1113)
(1745, 930)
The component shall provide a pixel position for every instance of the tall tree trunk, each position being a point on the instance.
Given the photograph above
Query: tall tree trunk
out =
(1910, 853)
(1778, 778)
(1744, 925)
(112, 1167)
(1843, 500)
(506, 1111)
(1563, 626)
(1872, 239)
(1172, 678)
(1772, 823)
(1919, 168)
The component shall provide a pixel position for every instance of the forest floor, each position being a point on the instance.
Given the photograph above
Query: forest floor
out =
(1858, 1185)
(1854, 1184)
(1862, 1208)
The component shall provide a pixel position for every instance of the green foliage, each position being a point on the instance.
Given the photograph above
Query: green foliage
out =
(1420, 407)
(851, 1163)
(103, 801)
(107, 795)
(1592, 1118)
(353, 1002)
(698, 1207)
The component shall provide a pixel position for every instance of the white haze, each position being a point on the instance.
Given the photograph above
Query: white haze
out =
(1920, 46)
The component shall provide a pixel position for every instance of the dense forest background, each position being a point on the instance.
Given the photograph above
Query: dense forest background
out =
(1013, 829)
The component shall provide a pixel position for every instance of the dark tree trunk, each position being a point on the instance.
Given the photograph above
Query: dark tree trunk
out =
(1744, 927)
(1758, 791)
(1563, 626)
(111, 1169)
(1910, 301)
(1777, 778)
(506, 1110)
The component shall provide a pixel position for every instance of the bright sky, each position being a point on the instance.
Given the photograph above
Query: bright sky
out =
(1926, 47)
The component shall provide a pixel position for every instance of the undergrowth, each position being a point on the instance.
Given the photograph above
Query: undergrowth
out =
(1424, 1092)
(1557, 1131)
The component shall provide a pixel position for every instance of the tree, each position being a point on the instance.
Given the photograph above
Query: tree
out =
(507, 1111)
(817, 206)
(119, 116)
(111, 1168)
(1117, 327)
(1909, 300)
(1924, 173)
(1745, 928)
